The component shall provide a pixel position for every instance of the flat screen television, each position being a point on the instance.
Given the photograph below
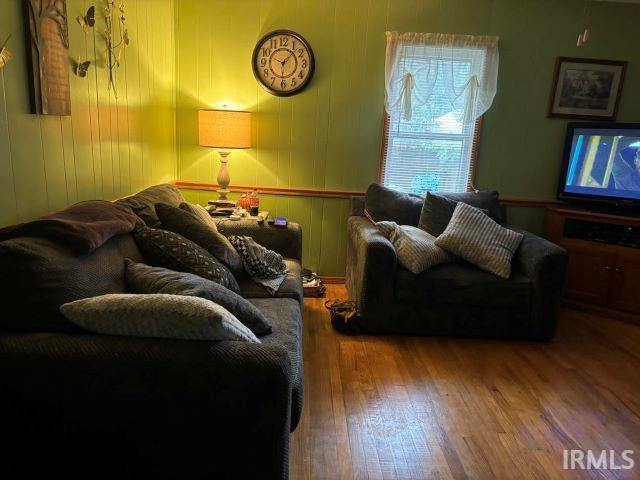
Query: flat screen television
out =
(601, 164)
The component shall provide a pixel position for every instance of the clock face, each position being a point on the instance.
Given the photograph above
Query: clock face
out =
(283, 62)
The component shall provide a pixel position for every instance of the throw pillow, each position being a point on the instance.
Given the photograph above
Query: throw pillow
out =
(143, 278)
(481, 241)
(170, 250)
(437, 211)
(191, 226)
(415, 248)
(143, 203)
(382, 203)
(156, 316)
(199, 211)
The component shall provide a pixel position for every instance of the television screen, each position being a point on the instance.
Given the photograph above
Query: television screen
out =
(602, 163)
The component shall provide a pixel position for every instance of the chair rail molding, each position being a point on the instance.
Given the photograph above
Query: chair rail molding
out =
(328, 193)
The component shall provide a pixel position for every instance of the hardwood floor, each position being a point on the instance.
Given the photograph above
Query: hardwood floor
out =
(421, 407)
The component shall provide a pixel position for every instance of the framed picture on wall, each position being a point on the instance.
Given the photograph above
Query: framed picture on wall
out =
(586, 88)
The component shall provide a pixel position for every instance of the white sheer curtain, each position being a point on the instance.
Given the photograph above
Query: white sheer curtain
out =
(465, 66)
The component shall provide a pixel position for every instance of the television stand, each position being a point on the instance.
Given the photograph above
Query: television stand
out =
(603, 275)
(618, 210)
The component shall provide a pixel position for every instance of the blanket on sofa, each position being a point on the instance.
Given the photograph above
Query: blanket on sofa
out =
(263, 265)
(81, 228)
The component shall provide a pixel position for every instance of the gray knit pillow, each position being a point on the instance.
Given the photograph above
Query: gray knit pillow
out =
(475, 237)
(415, 248)
(146, 279)
(156, 316)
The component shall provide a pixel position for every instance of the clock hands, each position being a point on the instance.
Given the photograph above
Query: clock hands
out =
(288, 57)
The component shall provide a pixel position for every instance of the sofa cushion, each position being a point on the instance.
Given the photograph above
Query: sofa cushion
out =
(383, 203)
(191, 226)
(285, 316)
(437, 210)
(38, 276)
(473, 236)
(291, 287)
(143, 278)
(162, 248)
(461, 283)
(143, 203)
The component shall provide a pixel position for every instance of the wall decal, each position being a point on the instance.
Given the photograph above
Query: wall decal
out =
(89, 20)
(80, 67)
(49, 39)
(86, 21)
(5, 54)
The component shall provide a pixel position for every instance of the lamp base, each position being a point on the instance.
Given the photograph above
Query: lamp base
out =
(223, 175)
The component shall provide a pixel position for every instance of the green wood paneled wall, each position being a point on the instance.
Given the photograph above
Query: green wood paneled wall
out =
(329, 135)
(108, 147)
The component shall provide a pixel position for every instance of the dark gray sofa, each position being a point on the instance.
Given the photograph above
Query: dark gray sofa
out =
(94, 406)
(453, 299)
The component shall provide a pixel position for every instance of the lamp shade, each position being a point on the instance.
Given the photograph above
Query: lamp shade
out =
(224, 129)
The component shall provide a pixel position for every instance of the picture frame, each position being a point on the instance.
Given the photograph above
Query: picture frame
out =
(586, 88)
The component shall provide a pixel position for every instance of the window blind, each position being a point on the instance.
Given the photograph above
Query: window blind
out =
(434, 150)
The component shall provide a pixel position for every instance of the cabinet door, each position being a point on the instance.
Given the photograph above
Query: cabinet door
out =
(625, 291)
(589, 274)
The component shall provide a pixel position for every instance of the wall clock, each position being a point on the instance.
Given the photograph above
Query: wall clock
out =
(283, 63)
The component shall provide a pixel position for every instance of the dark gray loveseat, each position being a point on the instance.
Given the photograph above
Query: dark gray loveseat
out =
(453, 299)
(73, 404)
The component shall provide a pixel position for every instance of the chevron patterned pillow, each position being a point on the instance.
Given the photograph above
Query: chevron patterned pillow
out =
(415, 248)
(162, 248)
(478, 239)
(156, 316)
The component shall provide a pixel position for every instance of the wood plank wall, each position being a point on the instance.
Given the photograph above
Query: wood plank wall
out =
(108, 147)
(328, 137)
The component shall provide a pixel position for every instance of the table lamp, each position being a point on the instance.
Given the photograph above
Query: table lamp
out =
(224, 130)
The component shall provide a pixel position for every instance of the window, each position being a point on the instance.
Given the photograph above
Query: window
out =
(434, 100)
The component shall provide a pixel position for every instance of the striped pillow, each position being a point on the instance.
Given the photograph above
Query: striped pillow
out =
(415, 248)
(475, 237)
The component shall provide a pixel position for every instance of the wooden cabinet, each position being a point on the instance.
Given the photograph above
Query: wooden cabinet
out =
(625, 290)
(600, 275)
(589, 274)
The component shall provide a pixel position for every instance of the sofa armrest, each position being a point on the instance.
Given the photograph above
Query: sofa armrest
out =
(178, 408)
(371, 266)
(545, 264)
(287, 241)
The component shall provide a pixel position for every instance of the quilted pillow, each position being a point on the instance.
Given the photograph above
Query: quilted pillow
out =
(415, 248)
(142, 278)
(170, 250)
(191, 226)
(474, 236)
(156, 316)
